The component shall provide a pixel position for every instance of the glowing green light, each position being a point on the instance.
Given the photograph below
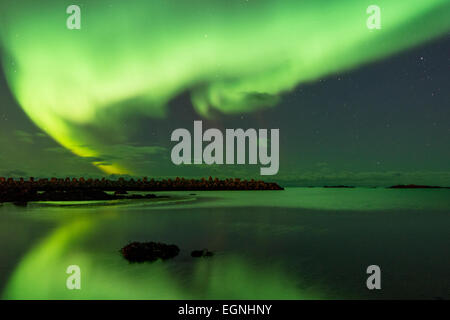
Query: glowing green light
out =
(233, 56)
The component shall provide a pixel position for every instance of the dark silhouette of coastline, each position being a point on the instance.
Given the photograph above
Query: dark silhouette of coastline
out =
(21, 191)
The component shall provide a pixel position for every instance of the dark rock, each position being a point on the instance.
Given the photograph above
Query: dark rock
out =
(74, 195)
(201, 253)
(149, 251)
(20, 203)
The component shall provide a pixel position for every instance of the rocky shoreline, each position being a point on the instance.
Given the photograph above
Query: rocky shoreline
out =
(22, 197)
(21, 191)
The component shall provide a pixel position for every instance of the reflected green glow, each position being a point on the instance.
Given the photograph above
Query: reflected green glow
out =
(39, 269)
(357, 199)
(233, 56)
(273, 249)
(41, 274)
(235, 279)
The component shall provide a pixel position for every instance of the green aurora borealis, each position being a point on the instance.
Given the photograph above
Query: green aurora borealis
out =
(230, 57)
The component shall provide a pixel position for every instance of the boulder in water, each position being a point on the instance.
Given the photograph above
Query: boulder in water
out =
(201, 253)
(149, 251)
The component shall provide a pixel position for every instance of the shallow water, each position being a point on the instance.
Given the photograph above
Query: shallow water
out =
(301, 243)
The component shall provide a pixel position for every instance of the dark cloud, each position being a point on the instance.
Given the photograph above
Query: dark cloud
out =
(14, 173)
(131, 152)
(23, 136)
(42, 135)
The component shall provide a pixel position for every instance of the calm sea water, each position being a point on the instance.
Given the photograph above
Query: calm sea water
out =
(301, 243)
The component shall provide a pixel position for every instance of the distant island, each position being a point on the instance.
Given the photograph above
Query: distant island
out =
(339, 186)
(415, 186)
(21, 191)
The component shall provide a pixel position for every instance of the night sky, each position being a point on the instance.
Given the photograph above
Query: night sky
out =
(369, 110)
